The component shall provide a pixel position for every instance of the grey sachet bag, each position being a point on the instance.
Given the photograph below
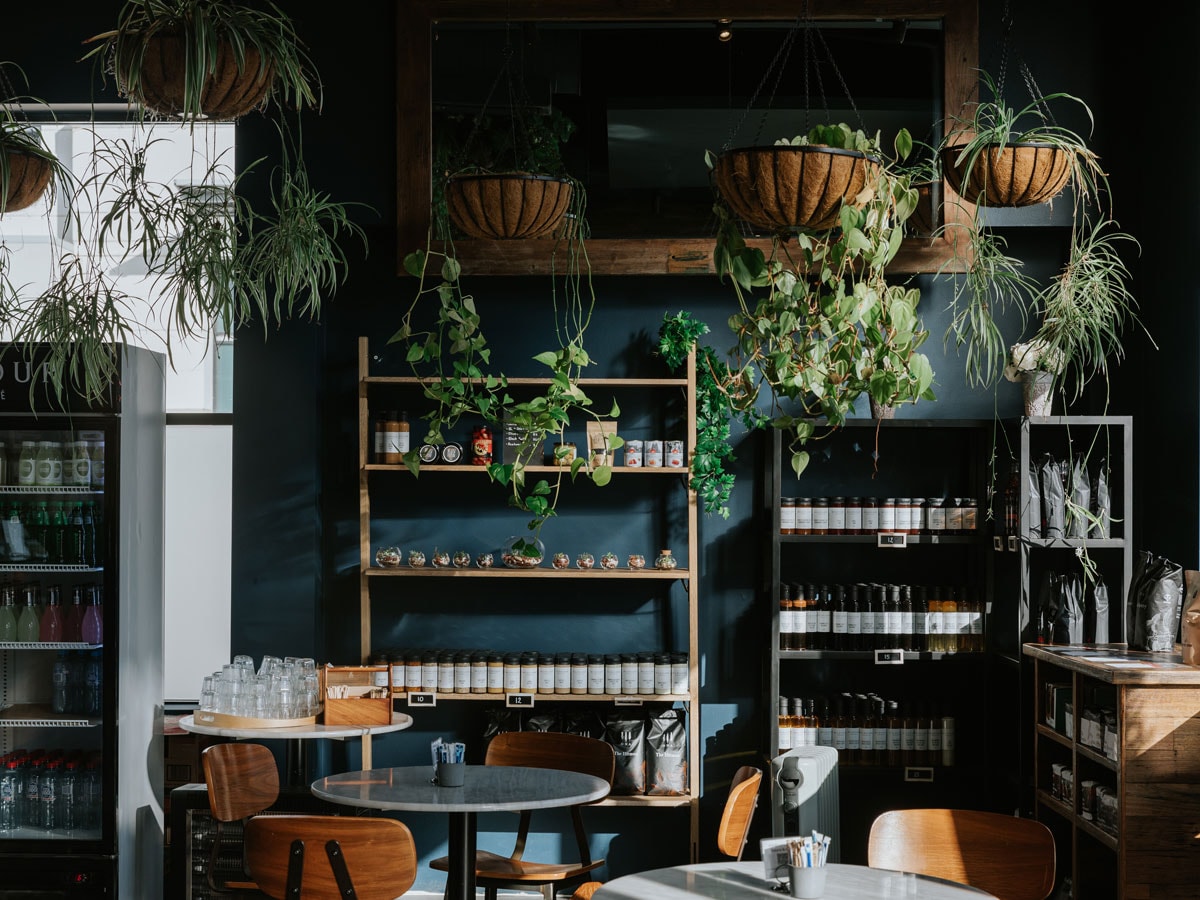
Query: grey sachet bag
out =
(1102, 505)
(1053, 501)
(1164, 603)
(1135, 614)
(1031, 516)
(1095, 615)
(1080, 507)
(1068, 618)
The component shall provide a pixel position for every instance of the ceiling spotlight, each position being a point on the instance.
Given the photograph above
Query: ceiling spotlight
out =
(724, 29)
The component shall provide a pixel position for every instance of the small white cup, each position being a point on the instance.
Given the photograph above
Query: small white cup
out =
(806, 882)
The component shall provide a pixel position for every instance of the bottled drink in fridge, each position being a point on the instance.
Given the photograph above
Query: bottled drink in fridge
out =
(73, 618)
(29, 626)
(91, 796)
(56, 533)
(31, 807)
(8, 613)
(48, 795)
(92, 626)
(73, 554)
(60, 676)
(88, 536)
(68, 790)
(93, 696)
(52, 616)
(10, 796)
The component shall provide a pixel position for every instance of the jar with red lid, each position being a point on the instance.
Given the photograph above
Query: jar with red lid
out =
(481, 446)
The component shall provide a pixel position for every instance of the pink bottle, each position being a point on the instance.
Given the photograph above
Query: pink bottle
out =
(51, 627)
(92, 628)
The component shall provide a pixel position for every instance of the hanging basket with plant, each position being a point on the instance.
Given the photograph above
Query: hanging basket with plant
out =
(213, 59)
(1005, 173)
(28, 167)
(509, 205)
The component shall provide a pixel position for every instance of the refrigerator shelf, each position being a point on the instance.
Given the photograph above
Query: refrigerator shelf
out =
(38, 715)
(46, 567)
(49, 489)
(48, 645)
(26, 833)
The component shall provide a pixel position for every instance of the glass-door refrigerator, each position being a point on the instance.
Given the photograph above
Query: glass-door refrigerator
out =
(81, 598)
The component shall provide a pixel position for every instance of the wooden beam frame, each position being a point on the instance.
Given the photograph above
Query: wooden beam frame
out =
(642, 256)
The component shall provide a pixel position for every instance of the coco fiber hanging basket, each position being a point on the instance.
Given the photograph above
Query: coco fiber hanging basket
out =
(503, 207)
(1011, 175)
(229, 91)
(785, 187)
(28, 178)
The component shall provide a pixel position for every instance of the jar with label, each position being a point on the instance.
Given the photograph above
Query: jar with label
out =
(837, 515)
(595, 673)
(612, 674)
(563, 454)
(96, 448)
(27, 464)
(903, 510)
(531, 673)
(870, 515)
(914, 515)
(654, 454)
(446, 673)
(495, 673)
(545, 673)
(629, 673)
(462, 673)
(679, 672)
(579, 673)
(820, 515)
(81, 464)
(662, 673)
(561, 666)
(787, 515)
(970, 515)
(380, 679)
(804, 515)
(512, 673)
(935, 516)
(954, 515)
(854, 524)
(44, 465)
(479, 673)
(429, 671)
(633, 454)
(481, 446)
(645, 673)
(887, 514)
(674, 454)
(414, 671)
(665, 560)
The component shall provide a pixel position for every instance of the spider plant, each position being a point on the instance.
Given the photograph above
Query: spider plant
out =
(29, 169)
(206, 58)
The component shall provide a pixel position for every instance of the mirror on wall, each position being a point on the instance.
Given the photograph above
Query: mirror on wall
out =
(644, 101)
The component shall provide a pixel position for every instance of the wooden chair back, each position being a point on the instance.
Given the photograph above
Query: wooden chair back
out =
(552, 750)
(306, 855)
(242, 780)
(739, 811)
(1008, 856)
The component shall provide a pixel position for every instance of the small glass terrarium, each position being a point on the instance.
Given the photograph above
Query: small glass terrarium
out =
(388, 557)
(416, 559)
(485, 560)
(441, 559)
(560, 561)
(665, 560)
(523, 553)
(636, 561)
(608, 561)
(585, 561)
(461, 559)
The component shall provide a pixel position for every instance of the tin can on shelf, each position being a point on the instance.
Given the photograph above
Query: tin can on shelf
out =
(674, 454)
(633, 454)
(481, 446)
(654, 454)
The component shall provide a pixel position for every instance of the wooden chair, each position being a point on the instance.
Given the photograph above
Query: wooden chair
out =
(331, 857)
(1008, 856)
(545, 750)
(739, 811)
(242, 781)
(735, 821)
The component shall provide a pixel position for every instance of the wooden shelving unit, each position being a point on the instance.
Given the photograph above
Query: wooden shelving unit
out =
(375, 477)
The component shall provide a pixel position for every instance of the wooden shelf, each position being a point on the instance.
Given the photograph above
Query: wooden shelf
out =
(467, 468)
(1098, 758)
(539, 698)
(909, 655)
(542, 571)
(1053, 803)
(1091, 828)
(646, 800)
(910, 539)
(1057, 736)
(515, 381)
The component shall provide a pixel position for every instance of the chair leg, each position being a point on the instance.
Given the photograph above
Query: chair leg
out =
(548, 891)
(490, 891)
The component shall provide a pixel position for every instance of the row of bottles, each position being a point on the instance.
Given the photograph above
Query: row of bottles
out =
(42, 617)
(390, 438)
(75, 462)
(77, 683)
(56, 791)
(868, 730)
(862, 616)
(54, 532)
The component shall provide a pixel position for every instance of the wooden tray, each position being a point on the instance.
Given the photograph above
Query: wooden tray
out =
(224, 720)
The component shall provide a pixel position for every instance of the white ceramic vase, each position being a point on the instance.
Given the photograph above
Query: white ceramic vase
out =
(1037, 389)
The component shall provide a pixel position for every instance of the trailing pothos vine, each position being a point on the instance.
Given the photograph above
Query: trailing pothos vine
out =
(711, 480)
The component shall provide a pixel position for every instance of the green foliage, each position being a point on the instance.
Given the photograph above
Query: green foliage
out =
(18, 137)
(203, 25)
(711, 480)
(830, 327)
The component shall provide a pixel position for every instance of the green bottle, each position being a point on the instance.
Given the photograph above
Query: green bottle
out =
(29, 625)
(8, 618)
(39, 538)
(56, 534)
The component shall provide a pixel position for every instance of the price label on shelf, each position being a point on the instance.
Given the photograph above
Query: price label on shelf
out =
(889, 657)
(627, 701)
(523, 701)
(897, 539)
(919, 773)
(422, 698)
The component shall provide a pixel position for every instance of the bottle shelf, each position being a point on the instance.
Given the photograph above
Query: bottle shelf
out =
(51, 490)
(909, 655)
(535, 572)
(39, 715)
(29, 833)
(459, 468)
(910, 539)
(47, 567)
(631, 699)
(48, 645)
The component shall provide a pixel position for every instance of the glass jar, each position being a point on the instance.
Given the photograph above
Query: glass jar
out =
(870, 515)
(579, 673)
(887, 514)
(645, 670)
(787, 515)
(935, 516)
(679, 673)
(531, 673)
(954, 515)
(387, 557)
(804, 515)
(461, 559)
(629, 673)
(837, 515)
(495, 673)
(560, 561)
(854, 522)
(914, 515)
(481, 446)
(608, 561)
(445, 682)
(429, 671)
(903, 515)
(662, 673)
(479, 673)
(612, 674)
(595, 673)
(665, 560)
(441, 559)
(820, 516)
(462, 673)
(546, 669)
(413, 672)
(512, 673)
(522, 553)
(636, 561)
(970, 515)
(585, 561)
(416, 559)
(562, 673)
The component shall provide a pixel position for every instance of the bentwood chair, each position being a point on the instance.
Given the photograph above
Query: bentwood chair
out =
(740, 805)
(545, 750)
(242, 781)
(330, 857)
(1008, 856)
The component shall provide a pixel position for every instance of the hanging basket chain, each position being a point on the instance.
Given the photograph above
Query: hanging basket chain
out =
(777, 63)
(1007, 42)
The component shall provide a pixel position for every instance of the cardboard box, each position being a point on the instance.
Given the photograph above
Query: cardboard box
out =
(357, 695)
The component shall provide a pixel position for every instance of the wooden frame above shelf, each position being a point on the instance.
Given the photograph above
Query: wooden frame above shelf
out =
(642, 256)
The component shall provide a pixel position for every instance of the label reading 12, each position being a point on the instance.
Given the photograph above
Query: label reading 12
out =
(897, 539)
(524, 701)
(422, 698)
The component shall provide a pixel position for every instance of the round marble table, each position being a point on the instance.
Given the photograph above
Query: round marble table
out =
(746, 881)
(294, 734)
(485, 789)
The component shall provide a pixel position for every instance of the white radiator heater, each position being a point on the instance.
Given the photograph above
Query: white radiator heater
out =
(804, 795)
